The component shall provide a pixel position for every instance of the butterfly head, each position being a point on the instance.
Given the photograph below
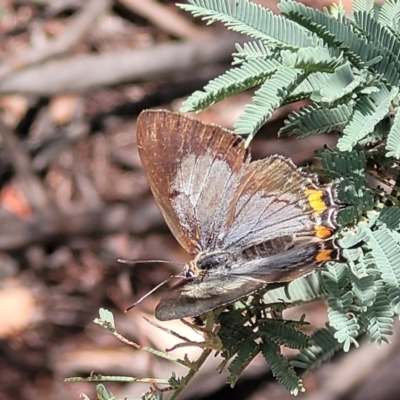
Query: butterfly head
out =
(211, 260)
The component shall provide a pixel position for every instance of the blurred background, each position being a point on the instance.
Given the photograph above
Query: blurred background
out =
(74, 75)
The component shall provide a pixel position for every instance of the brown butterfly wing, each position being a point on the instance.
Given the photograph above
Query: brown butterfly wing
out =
(193, 171)
(198, 297)
(202, 294)
(275, 199)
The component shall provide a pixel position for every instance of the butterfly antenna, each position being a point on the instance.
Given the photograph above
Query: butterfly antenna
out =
(152, 291)
(132, 262)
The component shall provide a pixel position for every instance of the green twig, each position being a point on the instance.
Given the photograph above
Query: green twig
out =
(107, 378)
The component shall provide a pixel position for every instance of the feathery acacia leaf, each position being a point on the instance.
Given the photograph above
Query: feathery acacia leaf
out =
(393, 140)
(251, 73)
(363, 5)
(324, 347)
(386, 252)
(366, 116)
(266, 99)
(379, 316)
(316, 119)
(251, 19)
(281, 368)
(389, 14)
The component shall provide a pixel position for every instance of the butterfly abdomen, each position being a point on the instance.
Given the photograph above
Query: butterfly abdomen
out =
(267, 248)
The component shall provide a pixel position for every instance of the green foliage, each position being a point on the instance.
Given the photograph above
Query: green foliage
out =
(348, 170)
(367, 113)
(314, 59)
(348, 68)
(391, 217)
(252, 73)
(389, 15)
(244, 356)
(301, 290)
(393, 141)
(338, 85)
(103, 394)
(386, 252)
(281, 368)
(378, 318)
(266, 100)
(284, 333)
(363, 5)
(247, 332)
(315, 119)
(323, 348)
(341, 314)
(251, 19)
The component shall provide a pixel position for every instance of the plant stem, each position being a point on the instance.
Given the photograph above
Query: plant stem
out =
(198, 363)
(209, 325)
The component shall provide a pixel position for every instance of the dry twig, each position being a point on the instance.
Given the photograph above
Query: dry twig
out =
(80, 73)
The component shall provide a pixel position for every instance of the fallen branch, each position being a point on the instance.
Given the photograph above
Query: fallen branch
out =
(59, 228)
(82, 73)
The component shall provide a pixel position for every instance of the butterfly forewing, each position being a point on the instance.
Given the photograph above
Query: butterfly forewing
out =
(193, 170)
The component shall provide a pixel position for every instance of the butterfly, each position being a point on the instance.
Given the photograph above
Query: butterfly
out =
(246, 224)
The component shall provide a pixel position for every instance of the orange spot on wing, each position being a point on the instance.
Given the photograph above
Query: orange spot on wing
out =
(324, 255)
(323, 232)
(315, 199)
